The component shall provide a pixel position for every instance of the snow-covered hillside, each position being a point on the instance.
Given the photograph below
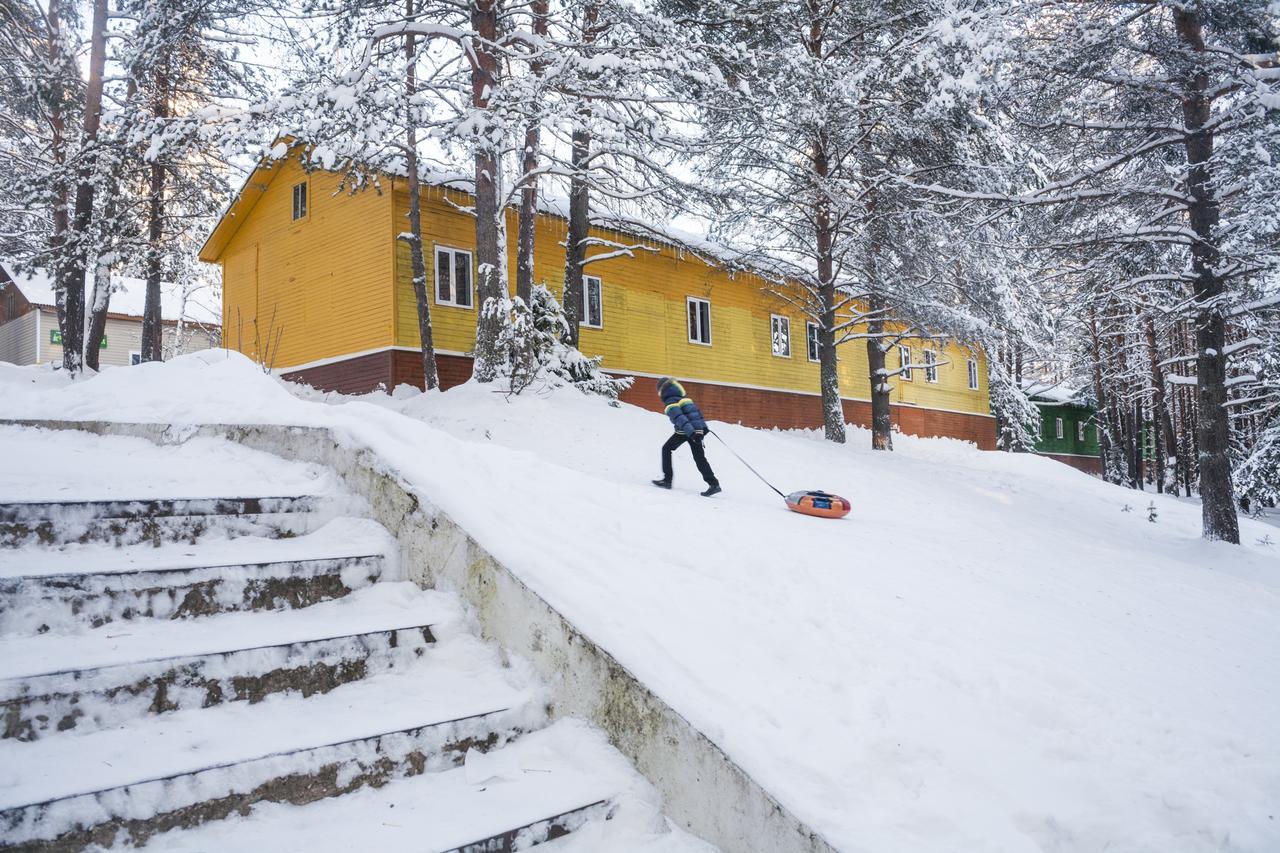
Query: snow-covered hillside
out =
(992, 652)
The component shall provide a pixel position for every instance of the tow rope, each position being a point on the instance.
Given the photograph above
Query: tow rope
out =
(748, 464)
(816, 502)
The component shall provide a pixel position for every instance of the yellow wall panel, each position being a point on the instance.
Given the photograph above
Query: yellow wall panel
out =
(645, 326)
(323, 282)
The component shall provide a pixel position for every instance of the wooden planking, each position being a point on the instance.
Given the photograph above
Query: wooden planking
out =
(124, 337)
(18, 338)
(326, 278)
(358, 375)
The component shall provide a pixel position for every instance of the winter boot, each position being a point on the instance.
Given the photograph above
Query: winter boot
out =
(713, 489)
(662, 484)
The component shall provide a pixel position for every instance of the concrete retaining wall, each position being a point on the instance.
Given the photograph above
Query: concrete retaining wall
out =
(702, 789)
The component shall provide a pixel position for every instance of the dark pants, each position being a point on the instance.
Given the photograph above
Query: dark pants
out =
(699, 457)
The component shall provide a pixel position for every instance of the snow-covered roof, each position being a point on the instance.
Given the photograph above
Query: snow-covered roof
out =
(127, 297)
(1063, 393)
(550, 202)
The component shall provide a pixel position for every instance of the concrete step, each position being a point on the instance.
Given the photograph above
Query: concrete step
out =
(544, 786)
(194, 766)
(128, 522)
(110, 676)
(78, 586)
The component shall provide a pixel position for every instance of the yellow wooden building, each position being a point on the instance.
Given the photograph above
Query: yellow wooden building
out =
(316, 282)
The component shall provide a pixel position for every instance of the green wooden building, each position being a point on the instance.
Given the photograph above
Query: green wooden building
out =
(1068, 429)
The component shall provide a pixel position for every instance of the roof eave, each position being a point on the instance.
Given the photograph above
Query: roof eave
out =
(254, 187)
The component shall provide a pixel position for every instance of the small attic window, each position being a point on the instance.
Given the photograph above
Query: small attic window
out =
(300, 200)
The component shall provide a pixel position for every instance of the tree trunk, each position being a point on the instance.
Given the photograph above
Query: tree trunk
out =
(526, 239)
(1139, 448)
(1217, 495)
(152, 328)
(61, 190)
(98, 308)
(824, 246)
(575, 248)
(71, 272)
(1167, 459)
(881, 416)
(1104, 424)
(430, 375)
(490, 286)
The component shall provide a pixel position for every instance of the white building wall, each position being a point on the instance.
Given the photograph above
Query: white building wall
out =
(124, 338)
(18, 339)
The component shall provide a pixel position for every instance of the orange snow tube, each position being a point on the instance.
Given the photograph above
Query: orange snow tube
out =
(820, 504)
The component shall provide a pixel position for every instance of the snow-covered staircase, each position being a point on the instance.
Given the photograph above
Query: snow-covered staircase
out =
(193, 673)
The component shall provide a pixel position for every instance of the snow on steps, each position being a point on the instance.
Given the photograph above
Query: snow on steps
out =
(193, 766)
(128, 522)
(501, 804)
(75, 586)
(254, 653)
(86, 682)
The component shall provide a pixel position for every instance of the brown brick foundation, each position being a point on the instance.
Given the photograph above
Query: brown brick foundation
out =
(1088, 464)
(751, 407)
(755, 407)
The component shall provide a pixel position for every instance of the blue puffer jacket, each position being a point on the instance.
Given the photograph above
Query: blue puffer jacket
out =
(684, 413)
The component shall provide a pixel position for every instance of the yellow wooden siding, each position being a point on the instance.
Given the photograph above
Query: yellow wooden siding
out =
(321, 283)
(645, 322)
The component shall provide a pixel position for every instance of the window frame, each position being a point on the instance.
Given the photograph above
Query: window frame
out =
(973, 374)
(811, 338)
(1081, 426)
(931, 366)
(904, 363)
(697, 300)
(306, 201)
(1059, 431)
(453, 252)
(786, 322)
(584, 313)
(132, 353)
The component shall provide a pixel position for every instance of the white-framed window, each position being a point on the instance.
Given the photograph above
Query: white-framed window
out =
(780, 335)
(904, 362)
(973, 374)
(453, 277)
(699, 311)
(135, 357)
(300, 200)
(1080, 427)
(930, 366)
(1057, 423)
(592, 316)
(811, 337)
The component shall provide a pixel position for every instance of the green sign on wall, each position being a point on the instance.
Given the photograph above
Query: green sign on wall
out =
(55, 337)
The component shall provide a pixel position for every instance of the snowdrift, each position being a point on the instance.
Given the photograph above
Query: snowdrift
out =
(992, 652)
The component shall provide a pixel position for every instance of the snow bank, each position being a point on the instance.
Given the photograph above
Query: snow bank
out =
(48, 465)
(993, 652)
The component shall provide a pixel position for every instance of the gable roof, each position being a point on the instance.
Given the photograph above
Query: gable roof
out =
(251, 191)
(127, 297)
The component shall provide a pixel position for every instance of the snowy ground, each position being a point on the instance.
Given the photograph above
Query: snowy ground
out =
(992, 652)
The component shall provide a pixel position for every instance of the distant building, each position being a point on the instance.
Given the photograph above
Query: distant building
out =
(1068, 428)
(29, 321)
(316, 276)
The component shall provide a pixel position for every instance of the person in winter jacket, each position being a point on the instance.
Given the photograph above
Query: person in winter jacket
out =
(690, 427)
